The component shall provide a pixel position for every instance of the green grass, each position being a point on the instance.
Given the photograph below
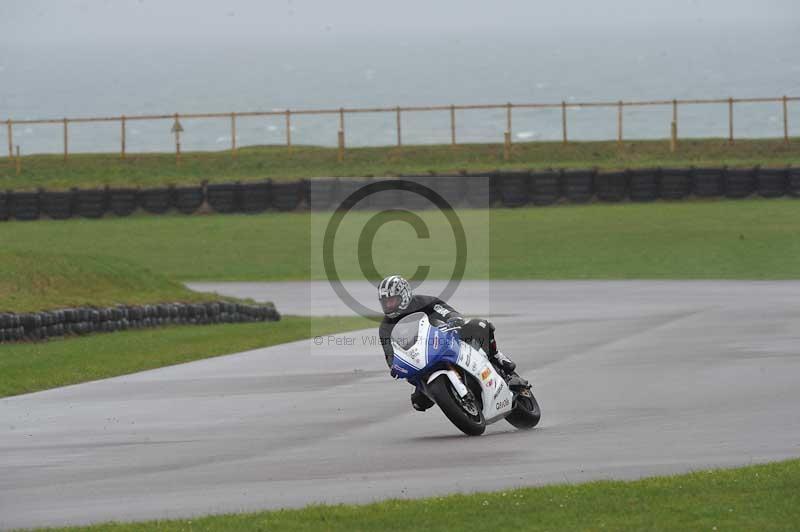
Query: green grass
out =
(725, 239)
(37, 278)
(37, 366)
(88, 170)
(763, 497)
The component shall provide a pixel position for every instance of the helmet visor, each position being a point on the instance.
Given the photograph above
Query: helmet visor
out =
(391, 304)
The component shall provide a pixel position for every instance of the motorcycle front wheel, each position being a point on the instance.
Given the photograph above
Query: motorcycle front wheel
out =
(464, 414)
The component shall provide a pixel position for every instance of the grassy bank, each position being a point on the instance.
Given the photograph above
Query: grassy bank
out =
(87, 170)
(762, 497)
(725, 239)
(37, 366)
(37, 277)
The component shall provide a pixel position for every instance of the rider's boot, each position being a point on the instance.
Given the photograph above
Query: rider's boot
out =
(420, 401)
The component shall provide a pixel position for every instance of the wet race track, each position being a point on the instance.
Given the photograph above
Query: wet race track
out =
(634, 378)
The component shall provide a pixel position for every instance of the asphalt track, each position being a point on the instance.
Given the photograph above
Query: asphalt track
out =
(634, 379)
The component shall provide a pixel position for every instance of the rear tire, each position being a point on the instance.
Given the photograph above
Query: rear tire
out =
(450, 402)
(526, 413)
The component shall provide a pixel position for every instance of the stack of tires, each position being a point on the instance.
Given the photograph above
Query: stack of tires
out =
(643, 184)
(57, 205)
(86, 320)
(24, 206)
(123, 201)
(544, 188)
(155, 200)
(187, 200)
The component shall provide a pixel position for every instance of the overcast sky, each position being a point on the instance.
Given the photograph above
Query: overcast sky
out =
(125, 21)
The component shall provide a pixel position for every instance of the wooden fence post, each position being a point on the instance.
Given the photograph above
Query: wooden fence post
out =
(619, 123)
(399, 133)
(177, 128)
(122, 137)
(10, 139)
(453, 125)
(507, 134)
(233, 134)
(730, 120)
(66, 141)
(564, 121)
(18, 162)
(673, 136)
(785, 121)
(340, 156)
(675, 115)
(289, 131)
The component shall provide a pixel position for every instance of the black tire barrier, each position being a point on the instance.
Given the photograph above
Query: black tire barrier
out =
(123, 201)
(578, 185)
(25, 206)
(793, 182)
(413, 201)
(4, 206)
(675, 183)
(56, 205)
(708, 182)
(255, 197)
(544, 188)
(155, 200)
(386, 199)
(451, 188)
(739, 182)
(643, 184)
(188, 199)
(223, 197)
(91, 203)
(513, 187)
(477, 190)
(771, 182)
(33, 326)
(611, 186)
(321, 194)
(287, 196)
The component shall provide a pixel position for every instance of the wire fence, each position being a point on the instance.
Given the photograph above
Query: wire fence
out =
(453, 112)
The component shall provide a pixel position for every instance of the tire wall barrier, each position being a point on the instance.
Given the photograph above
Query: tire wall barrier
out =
(85, 320)
(502, 188)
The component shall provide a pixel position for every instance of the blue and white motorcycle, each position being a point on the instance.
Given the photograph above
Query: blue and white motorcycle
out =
(459, 378)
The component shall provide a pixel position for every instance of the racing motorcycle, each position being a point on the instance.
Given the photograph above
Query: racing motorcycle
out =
(459, 377)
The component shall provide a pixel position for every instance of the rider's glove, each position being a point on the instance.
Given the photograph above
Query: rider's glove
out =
(395, 374)
(456, 321)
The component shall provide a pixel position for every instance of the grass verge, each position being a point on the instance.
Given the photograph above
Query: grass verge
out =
(253, 163)
(722, 239)
(35, 279)
(38, 366)
(763, 497)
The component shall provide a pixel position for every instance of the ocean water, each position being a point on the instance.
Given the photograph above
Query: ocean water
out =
(81, 80)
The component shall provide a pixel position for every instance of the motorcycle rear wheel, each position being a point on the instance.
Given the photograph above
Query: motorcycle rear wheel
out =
(470, 423)
(526, 413)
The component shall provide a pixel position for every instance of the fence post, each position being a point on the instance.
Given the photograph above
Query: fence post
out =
(122, 136)
(564, 121)
(289, 131)
(619, 123)
(673, 136)
(507, 134)
(66, 141)
(730, 120)
(399, 135)
(10, 140)
(453, 125)
(233, 134)
(675, 116)
(18, 162)
(340, 156)
(785, 121)
(177, 128)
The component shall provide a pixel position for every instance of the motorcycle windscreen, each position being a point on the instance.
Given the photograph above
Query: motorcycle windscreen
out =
(406, 331)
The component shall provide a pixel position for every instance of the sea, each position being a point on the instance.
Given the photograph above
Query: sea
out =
(55, 80)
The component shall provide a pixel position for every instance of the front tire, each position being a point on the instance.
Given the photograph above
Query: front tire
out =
(526, 413)
(470, 423)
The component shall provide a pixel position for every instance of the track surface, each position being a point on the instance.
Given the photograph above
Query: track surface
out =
(634, 379)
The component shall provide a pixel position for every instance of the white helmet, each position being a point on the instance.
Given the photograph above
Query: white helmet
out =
(395, 295)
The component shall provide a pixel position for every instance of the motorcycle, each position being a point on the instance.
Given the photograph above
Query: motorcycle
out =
(459, 377)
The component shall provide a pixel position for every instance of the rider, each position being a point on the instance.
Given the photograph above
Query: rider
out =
(398, 300)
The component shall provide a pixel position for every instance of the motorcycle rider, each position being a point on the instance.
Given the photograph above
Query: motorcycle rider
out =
(398, 300)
